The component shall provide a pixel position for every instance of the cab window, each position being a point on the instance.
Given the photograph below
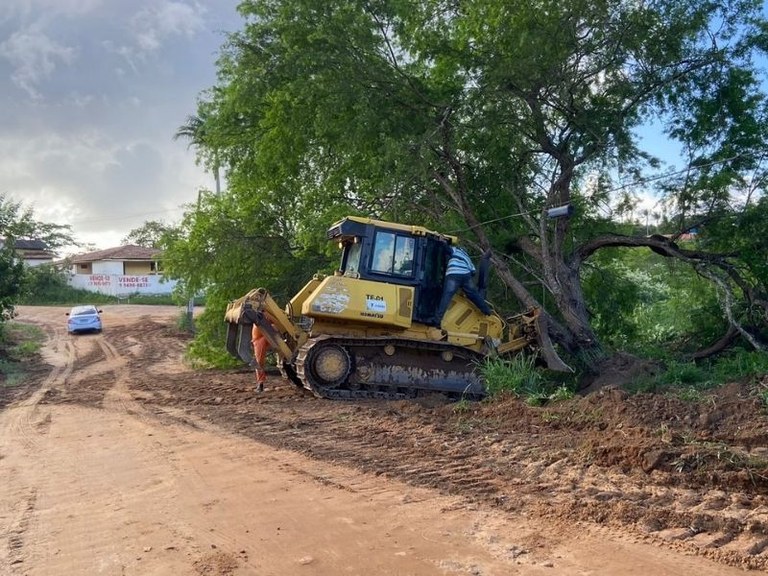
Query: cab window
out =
(352, 264)
(393, 254)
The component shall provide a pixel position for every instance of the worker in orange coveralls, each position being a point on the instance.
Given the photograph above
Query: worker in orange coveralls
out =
(260, 348)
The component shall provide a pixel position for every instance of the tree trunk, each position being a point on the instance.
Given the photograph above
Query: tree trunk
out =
(723, 343)
(570, 302)
(574, 334)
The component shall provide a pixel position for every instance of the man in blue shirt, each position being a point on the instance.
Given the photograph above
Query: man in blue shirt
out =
(458, 275)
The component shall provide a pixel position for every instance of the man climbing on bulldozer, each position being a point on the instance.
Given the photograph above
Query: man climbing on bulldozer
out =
(459, 274)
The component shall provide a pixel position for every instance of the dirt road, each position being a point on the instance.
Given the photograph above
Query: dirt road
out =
(120, 460)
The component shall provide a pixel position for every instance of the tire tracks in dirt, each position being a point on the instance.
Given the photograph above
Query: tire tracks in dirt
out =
(20, 424)
(538, 473)
(512, 474)
(190, 481)
(19, 420)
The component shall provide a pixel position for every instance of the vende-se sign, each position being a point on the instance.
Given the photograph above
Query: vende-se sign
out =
(99, 280)
(133, 281)
(122, 284)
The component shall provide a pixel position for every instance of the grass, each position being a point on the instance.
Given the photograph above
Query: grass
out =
(741, 364)
(21, 341)
(690, 380)
(462, 406)
(18, 342)
(521, 377)
(704, 457)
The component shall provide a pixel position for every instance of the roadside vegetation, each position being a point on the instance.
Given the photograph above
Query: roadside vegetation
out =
(689, 381)
(18, 343)
(521, 378)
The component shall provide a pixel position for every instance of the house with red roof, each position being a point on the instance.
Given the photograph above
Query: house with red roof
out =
(120, 271)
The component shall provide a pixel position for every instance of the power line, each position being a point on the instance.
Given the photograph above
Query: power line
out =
(637, 182)
(128, 217)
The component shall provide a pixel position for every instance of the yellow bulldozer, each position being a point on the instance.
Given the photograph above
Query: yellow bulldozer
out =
(367, 331)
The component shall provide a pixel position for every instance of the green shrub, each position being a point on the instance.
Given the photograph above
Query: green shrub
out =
(184, 323)
(518, 376)
(687, 380)
(682, 374)
(739, 364)
(18, 342)
(209, 346)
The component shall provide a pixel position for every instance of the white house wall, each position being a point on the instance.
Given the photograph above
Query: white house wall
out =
(107, 267)
(122, 284)
(32, 263)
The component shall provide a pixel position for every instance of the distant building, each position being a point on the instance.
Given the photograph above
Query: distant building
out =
(121, 260)
(690, 236)
(32, 252)
(120, 271)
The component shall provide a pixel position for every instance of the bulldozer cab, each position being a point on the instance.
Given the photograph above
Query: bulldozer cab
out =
(396, 254)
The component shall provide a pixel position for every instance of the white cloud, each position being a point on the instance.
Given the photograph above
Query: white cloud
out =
(156, 23)
(34, 56)
(101, 187)
(23, 10)
(93, 147)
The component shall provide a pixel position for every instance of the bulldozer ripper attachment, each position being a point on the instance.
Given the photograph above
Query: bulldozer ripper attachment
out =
(523, 332)
(529, 330)
(239, 342)
(259, 308)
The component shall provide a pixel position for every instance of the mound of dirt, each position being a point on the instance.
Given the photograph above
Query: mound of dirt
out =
(619, 370)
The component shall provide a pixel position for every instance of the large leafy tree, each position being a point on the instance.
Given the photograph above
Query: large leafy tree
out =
(482, 116)
(194, 131)
(11, 275)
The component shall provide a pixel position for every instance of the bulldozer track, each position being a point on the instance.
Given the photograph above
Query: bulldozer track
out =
(418, 369)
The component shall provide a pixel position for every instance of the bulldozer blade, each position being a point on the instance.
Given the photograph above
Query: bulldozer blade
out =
(239, 342)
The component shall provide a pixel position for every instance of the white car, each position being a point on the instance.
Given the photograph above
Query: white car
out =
(84, 319)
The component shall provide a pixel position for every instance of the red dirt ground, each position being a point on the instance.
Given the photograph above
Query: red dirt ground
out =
(685, 476)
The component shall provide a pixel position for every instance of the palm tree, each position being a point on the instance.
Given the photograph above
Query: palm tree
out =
(195, 130)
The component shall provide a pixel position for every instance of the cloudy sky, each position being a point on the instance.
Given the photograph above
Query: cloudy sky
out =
(91, 93)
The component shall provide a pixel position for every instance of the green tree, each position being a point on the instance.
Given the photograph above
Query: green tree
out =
(482, 116)
(194, 130)
(45, 284)
(150, 234)
(743, 285)
(11, 274)
(223, 249)
(18, 222)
